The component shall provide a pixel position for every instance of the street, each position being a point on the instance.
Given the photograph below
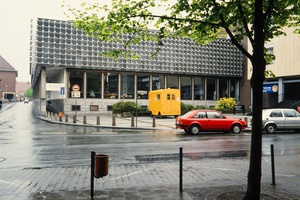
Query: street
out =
(42, 160)
(28, 142)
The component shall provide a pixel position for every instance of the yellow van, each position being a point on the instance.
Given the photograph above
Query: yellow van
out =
(164, 102)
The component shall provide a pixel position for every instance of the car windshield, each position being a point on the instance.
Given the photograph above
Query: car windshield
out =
(290, 113)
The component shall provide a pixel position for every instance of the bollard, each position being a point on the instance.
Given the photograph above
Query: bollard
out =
(60, 116)
(66, 118)
(98, 120)
(180, 169)
(153, 122)
(84, 119)
(132, 121)
(272, 164)
(113, 120)
(74, 119)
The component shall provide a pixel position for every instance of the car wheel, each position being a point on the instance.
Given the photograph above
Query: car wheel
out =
(270, 128)
(195, 129)
(236, 128)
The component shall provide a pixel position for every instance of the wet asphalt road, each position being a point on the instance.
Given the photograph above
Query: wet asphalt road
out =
(27, 142)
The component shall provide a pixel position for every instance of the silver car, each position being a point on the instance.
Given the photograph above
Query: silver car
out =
(280, 119)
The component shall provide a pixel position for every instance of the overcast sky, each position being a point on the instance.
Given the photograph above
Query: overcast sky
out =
(15, 19)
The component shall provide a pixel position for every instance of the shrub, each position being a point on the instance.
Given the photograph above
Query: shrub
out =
(121, 107)
(225, 103)
(185, 108)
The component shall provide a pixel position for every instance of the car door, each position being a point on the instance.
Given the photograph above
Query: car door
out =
(292, 119)
(201, 119)
(216, 122)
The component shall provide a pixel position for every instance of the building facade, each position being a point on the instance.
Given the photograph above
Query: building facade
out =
(8, 77)
(68, 71)
(282, 90)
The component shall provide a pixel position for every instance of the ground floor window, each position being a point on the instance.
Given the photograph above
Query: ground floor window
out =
(235, 89)
(172, 82)
(93, 84)
(143, 84)
(158, 82)
(111, 85)
(223, 88)
(199, 88)
(127, 86)
(186, 88)
(211, 89)
(76, 78)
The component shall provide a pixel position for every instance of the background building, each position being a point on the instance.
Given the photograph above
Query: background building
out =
(8, 77)
(283, 89)
(68, 72)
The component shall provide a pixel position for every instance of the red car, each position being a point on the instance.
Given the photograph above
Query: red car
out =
(208, 120)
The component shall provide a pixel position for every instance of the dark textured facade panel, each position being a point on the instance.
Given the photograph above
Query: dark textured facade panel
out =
(56, 43)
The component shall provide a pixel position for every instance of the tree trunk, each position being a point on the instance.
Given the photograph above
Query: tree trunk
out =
(259, 65)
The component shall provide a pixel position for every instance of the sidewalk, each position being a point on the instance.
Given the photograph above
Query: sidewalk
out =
(140, 122)
(202, 179)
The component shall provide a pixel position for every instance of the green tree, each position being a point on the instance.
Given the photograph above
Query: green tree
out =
(253, 21)
(28, 93)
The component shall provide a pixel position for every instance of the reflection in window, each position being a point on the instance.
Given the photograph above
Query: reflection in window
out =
(235, 89)
(93, 85)
(143, 83)
(211, 89)
(172, 82)
(111, 85)
(186, 87)
(76, 77)
(127, 86)
(223, 88)
(158, 82)
(199, 89)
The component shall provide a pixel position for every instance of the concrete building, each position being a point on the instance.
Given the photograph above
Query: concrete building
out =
(283, 89)
(68, 71)
(8, 77)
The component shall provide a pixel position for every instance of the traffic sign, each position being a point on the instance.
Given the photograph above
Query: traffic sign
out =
(75, 88)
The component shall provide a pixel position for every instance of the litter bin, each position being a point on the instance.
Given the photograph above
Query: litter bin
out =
(101, 165)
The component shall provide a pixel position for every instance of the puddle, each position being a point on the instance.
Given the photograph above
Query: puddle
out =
(190, 156)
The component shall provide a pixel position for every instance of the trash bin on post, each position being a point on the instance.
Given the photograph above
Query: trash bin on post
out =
(101, 165)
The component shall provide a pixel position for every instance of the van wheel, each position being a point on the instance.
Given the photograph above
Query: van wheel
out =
(195, 129)
(159, 115)
(270, 128)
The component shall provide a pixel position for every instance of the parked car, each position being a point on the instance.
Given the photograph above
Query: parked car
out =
(208, 120)
(280, 119)
(26, 100)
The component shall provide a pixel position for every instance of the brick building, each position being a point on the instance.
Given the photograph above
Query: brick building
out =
(7, 80)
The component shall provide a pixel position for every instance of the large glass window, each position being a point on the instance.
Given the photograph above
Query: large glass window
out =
(158, 82)
(199, 88)
(143, 84)
(76, 78)
(93, 85)
(235, 89)
(186, 87)
(127, 86)
(211, 89)
(223, 88)
(111, 85)
(172, 82)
